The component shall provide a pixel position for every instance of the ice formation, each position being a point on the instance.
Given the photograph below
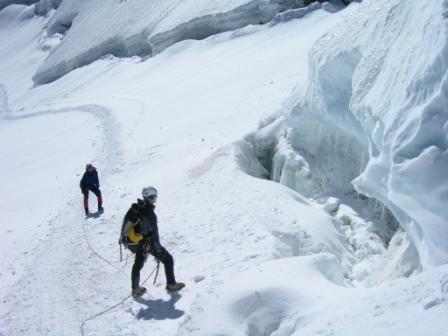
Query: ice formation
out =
(373, 118)
(155, 26)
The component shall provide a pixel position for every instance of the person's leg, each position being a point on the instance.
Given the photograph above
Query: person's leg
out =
(168, 262)
(86, 202)
(138, 265)
(97, 193)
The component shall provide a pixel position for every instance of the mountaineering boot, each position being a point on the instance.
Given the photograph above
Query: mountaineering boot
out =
(139, 291)
(175, 286)
(100, 209)
(87, 211)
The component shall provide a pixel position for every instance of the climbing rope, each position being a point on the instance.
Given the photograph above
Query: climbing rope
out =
(156, 269)
(97, 254)
(115, 305)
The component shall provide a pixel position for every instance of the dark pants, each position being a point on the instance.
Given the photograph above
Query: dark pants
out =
(140, 257)
(97, 193)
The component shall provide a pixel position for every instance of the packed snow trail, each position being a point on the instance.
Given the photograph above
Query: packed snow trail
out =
(56, 266)
(43, 161)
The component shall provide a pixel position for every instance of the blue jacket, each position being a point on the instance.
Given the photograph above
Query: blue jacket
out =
(89, 180)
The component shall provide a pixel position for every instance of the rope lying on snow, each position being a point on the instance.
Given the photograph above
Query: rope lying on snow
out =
(115, 305)
(97, 254)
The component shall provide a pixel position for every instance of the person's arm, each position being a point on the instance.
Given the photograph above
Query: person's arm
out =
(82, 183)
(155, 243)
(151, 233)
(96, 179)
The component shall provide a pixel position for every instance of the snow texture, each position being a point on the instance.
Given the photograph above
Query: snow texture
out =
(299, 167)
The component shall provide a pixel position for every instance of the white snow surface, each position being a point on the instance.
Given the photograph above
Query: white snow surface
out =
(256, 138)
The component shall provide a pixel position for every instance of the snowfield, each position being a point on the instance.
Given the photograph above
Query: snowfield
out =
(300, 155)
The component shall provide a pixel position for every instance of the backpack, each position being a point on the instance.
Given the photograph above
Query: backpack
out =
(131, 229)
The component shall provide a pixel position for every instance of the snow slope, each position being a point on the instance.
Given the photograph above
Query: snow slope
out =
(258, 257)
(143, 28)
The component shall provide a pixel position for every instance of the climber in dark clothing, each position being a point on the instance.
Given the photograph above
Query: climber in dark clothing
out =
(90, 182)
(144, 240)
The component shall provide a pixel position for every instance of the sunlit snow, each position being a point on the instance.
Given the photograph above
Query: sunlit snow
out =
(300, 153)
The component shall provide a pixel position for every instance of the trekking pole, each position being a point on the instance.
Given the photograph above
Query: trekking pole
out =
(157, 273)
(121, 254)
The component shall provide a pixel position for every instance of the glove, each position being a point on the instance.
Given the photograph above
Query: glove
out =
(146, 244)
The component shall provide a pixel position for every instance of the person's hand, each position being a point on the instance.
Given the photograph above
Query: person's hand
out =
(146, 248)
(146, 245)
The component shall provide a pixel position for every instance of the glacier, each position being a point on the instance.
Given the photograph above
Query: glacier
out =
(154, 27)
(299, 151)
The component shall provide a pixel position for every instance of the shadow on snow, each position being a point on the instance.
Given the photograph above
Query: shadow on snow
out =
(160, 309)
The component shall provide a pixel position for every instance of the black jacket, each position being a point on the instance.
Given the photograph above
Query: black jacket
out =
(143, 212)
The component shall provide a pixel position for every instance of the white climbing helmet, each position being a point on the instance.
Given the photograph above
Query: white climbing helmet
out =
(149, 192)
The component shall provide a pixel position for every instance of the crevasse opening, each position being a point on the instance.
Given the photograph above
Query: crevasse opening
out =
(318, 150)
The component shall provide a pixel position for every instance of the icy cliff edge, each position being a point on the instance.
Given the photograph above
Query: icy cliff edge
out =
(94, 28)
(378, 95)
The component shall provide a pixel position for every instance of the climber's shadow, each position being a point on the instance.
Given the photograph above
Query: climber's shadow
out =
(159, 309)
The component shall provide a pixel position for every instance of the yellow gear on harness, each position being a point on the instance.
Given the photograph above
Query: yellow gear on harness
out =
(133, 236)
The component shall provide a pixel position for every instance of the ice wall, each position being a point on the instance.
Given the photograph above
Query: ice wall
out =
(94, 28)
(45, 6)
(91, 29)
(375, 112)
(6, 3)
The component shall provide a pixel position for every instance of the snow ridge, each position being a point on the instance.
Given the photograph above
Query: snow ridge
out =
(150, 34)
